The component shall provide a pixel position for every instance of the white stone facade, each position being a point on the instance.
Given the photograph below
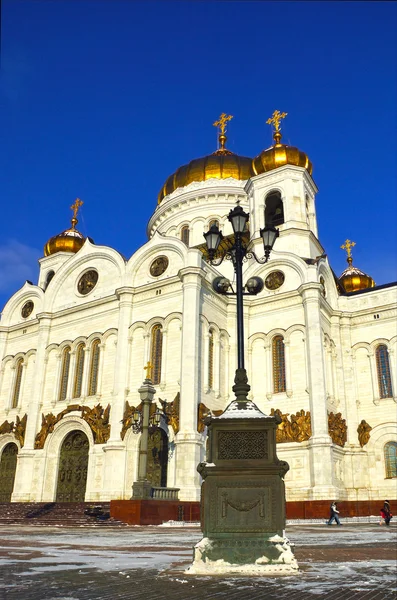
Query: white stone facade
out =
(329, 344)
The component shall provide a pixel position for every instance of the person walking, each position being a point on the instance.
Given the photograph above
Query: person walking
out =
(334, 512)
(386, 513)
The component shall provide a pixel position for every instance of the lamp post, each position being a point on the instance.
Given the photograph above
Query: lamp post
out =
(238, 252)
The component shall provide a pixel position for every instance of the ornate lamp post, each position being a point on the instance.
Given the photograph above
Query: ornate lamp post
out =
(238, 253)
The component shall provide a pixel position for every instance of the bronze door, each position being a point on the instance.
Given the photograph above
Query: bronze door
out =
(73, 463)
(8, 466)
(157, 459)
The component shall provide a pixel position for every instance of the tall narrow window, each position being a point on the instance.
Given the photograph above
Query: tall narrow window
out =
(274, 211)
(383, 370)
(155, 353)
(211, 360)
(94, 365)
(78, 376)
(17, 383)
(185, 234)
(391, 459)
(63, 388)
(278, 357)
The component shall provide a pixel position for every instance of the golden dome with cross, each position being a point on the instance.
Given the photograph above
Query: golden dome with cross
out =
(70, 240)
(221, 164)
(353, 279)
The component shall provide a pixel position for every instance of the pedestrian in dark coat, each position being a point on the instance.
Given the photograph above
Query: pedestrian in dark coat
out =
(334, 512)
(387, 516)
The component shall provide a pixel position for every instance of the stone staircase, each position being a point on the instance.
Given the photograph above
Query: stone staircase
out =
(54, 514)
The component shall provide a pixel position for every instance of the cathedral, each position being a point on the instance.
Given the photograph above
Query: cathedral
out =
(320, 347)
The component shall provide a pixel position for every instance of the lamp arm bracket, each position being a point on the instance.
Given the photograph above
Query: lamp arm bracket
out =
(261, 261)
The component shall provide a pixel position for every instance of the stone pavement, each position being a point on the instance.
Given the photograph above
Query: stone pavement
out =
(353, 562)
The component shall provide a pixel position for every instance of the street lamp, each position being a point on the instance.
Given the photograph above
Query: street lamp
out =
(238, 252)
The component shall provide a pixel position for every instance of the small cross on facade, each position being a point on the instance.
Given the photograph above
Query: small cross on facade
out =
(148, 370)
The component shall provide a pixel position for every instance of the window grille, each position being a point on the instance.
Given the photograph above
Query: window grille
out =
(78, 376)
(93, 381)
(63, 388)
(278, 357)
(155, 354)
(185, 235)
(211, 360)
(383, 371)
(391, 459)
(17, 384)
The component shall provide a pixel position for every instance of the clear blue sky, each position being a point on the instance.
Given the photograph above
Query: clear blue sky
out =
(104, 99)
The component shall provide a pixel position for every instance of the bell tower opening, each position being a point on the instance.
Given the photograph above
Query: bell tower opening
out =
(274, 209)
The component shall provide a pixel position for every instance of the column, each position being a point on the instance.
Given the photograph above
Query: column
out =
(24, 472)
(269, 370)
(320, 443)
(217, 366)
(114, 449)
(164, 352)
(206, 355)
(288, 376)
(393, 374)
(187, 441)
(86, 372)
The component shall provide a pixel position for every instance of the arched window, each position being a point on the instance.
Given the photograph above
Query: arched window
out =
(383, 370)
(155, 353)
(50, 275)
(17, 383)
(93, 380)
(185, 234)
(274, 210)
(391, 459)
(213, 222)
(63, 388)
(211, 360)
(278, 359)
(78, 375)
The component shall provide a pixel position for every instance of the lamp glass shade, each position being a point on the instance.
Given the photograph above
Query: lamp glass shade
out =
(213, 238)
(238, 219)
(136, 416)
(269, 235)
(157, 417)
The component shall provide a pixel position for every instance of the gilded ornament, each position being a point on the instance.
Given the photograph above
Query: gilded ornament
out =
(158, 266)
(69, 240)
(171, 411)
(87, 282)
(353, 279)
(202, 413)
(27, 309)
(297, 428)
(18, 428)
(274, 280)
(363, 431)
(6, 427)
(337, 428)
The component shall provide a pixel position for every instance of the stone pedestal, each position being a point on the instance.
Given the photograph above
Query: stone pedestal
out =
(243, 497)
(141, 489)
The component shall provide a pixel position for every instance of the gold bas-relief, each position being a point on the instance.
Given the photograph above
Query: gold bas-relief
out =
(298, 428)
(364, 434)
(18, 428)
(337, 428)
(171, 411)
(202, 413)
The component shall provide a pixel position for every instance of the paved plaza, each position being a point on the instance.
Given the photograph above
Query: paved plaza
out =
(353, 562)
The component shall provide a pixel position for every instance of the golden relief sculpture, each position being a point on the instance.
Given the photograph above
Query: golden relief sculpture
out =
(202, 413)
(129, 410)
(18, 428)
(298, 428)
(171, 411)
(363, 431)
(337, 428)
(96, 417)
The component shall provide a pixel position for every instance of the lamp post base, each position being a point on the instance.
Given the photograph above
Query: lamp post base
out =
(141, 490)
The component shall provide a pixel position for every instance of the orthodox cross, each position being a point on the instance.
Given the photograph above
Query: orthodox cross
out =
(75, 207)
(148, 368)
(222, 122)
(275, 119)
(347, 246)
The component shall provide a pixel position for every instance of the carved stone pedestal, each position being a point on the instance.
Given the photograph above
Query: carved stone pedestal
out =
(141, 490)
(243, 497)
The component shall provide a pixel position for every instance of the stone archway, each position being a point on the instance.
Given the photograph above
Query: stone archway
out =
(8, 466)
(72, 470)
(157, 460)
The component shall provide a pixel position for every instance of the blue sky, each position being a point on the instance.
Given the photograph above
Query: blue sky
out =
(104, 99)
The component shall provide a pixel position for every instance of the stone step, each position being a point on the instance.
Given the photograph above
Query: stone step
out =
(65, 514)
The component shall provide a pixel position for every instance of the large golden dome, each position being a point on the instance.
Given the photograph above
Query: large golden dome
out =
(353, 279)
(279, 154)
(70, 240)
(219, 165)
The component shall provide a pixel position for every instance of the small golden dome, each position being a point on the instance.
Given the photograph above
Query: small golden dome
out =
(280, 155)
(219, 165)
(353, 279)
(69, 240)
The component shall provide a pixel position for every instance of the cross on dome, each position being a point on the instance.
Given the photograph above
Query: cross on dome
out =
(275, 120)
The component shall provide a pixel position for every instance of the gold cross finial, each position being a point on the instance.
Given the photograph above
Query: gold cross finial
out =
(348, 245)
(75, 208)
(148, 368)
(221, 123)
(275, 121)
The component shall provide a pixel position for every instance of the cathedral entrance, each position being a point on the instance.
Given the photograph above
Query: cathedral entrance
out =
(8, 466)
(73, 463)
(157, 459)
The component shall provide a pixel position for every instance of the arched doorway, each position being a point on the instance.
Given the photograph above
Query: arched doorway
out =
(157, 460)
(8, 466)
(72, 472)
